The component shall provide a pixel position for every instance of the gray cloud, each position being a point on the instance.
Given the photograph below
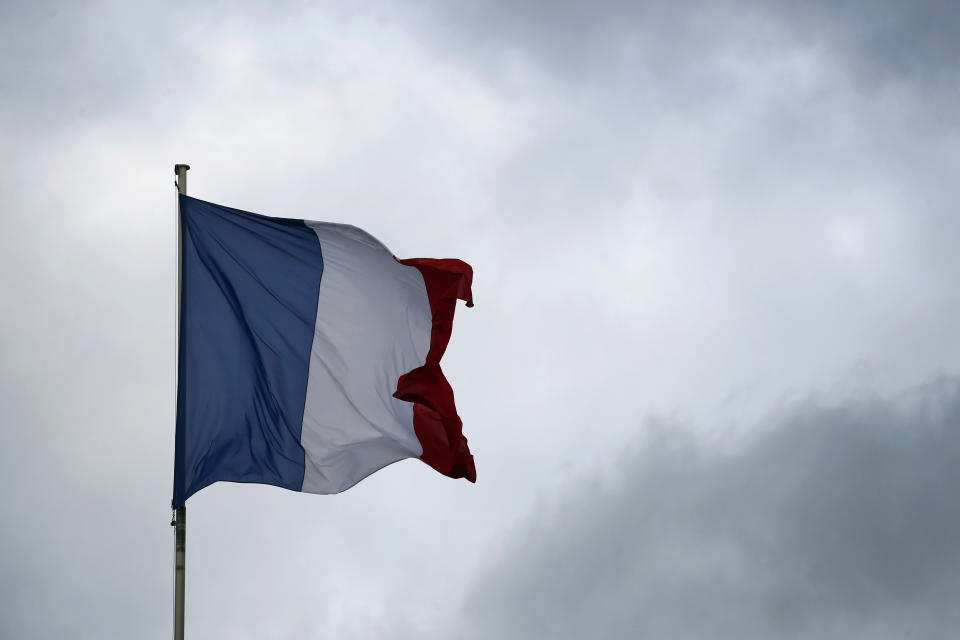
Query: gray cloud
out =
(889, 40)
(64, 63)
(670, 207)
(831, 521)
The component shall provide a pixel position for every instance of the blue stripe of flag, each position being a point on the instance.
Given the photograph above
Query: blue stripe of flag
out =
(248, 309)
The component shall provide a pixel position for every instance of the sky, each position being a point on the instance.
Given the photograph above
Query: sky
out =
(711, 381)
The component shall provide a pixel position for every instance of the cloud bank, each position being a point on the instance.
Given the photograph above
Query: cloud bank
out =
(832, 521)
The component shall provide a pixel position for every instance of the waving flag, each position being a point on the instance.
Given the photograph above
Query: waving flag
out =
(309, 355)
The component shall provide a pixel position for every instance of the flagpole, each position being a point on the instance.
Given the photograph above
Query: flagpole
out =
(180, 518)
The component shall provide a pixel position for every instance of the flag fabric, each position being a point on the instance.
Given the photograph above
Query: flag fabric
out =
(309, 356)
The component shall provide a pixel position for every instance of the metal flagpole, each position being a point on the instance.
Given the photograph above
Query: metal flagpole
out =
(180, 519)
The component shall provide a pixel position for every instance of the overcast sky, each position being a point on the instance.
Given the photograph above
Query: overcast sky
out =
(710, 381)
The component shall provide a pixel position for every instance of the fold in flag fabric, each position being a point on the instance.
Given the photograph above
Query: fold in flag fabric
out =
(309, 356)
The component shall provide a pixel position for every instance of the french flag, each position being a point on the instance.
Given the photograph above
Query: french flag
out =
(309, 356)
